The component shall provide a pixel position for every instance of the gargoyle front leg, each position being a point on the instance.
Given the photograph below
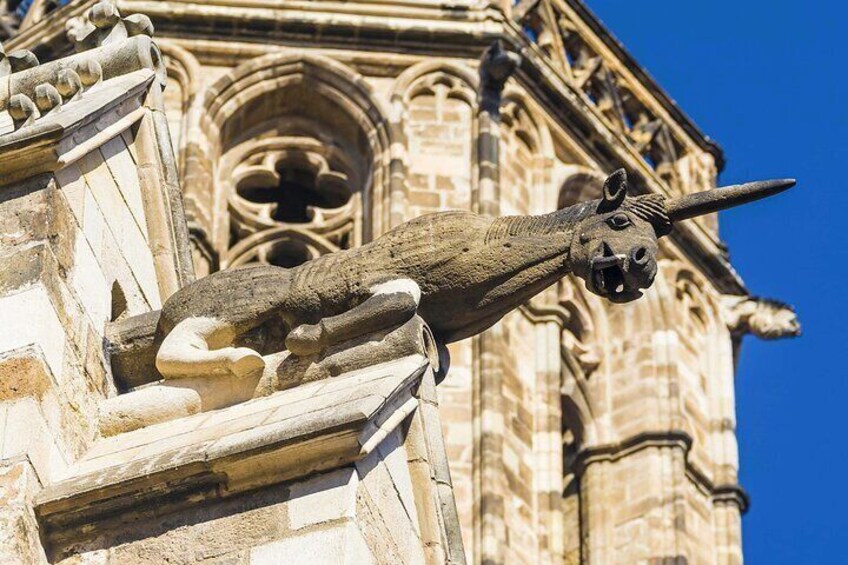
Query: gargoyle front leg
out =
(391, 304)
(199, 347)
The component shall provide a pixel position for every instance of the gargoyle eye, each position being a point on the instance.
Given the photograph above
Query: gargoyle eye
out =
(618, 221)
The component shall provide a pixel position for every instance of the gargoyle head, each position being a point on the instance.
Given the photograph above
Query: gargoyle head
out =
(762, 317)
(614, 248)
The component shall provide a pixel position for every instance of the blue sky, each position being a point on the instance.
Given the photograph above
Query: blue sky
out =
(769, 81)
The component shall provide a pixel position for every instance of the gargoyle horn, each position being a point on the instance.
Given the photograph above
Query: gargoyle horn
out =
(717, 199)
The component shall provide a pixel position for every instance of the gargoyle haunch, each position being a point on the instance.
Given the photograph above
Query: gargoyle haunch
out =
(459, 271)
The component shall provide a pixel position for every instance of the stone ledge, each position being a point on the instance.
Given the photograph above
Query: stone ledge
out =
(61, 137)
(314, 427)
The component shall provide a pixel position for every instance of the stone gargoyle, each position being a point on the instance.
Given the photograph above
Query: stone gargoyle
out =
(459, 271)
(434, 280)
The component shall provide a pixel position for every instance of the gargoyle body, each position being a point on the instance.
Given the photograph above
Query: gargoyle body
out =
(460, 272)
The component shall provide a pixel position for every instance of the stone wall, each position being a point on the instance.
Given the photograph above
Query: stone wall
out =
(76, 254)
(439, 134)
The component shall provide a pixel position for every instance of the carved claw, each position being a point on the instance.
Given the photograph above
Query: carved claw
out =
(306, 339)
(245, 361)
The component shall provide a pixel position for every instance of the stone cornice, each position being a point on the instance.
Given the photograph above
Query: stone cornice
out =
(672, 439)
(313, 427)
(58, 139)
(458, 26)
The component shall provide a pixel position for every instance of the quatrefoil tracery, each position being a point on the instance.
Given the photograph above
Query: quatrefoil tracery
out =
(291, 185)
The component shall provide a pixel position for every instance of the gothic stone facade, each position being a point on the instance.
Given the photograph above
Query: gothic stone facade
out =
(577, 431)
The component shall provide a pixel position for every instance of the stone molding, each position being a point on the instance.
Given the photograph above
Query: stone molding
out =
(314, 427)
(672, 439)
(62, 138)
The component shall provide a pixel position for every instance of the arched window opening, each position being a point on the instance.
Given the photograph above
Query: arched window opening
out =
(287, 254)
(579, 185)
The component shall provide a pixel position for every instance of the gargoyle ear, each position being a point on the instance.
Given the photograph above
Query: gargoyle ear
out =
(615, 190)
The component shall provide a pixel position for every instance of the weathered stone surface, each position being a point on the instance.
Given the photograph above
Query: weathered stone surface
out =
(19, 536)
(177, 397)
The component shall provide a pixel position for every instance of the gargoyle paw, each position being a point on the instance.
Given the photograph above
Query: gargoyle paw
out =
(305, 339)
(244, 361)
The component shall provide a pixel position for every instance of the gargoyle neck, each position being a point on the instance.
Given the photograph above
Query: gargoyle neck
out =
(560, 223)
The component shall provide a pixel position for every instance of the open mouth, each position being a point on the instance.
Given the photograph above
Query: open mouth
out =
(608, 277)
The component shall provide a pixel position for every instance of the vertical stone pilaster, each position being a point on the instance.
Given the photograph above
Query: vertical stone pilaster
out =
(728, 526)
(548, 444)
(496, 66)
(398, 189)
(490, 481)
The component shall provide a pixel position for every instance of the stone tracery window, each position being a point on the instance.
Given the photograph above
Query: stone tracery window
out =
(291, 199)
(291, 161)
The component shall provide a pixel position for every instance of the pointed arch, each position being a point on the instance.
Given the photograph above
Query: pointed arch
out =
(519, 98)
(298, 98)
(577, 184)
(526, 155)
(434, 112)
(463, 80)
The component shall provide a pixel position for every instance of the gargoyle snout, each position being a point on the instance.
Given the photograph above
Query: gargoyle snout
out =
(638, 259)
(620, 276)
(639, 256)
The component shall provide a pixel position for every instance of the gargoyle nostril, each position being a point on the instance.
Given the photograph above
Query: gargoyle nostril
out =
(639, 255)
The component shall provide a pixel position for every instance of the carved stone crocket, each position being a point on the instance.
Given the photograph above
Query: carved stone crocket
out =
(459, 271)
